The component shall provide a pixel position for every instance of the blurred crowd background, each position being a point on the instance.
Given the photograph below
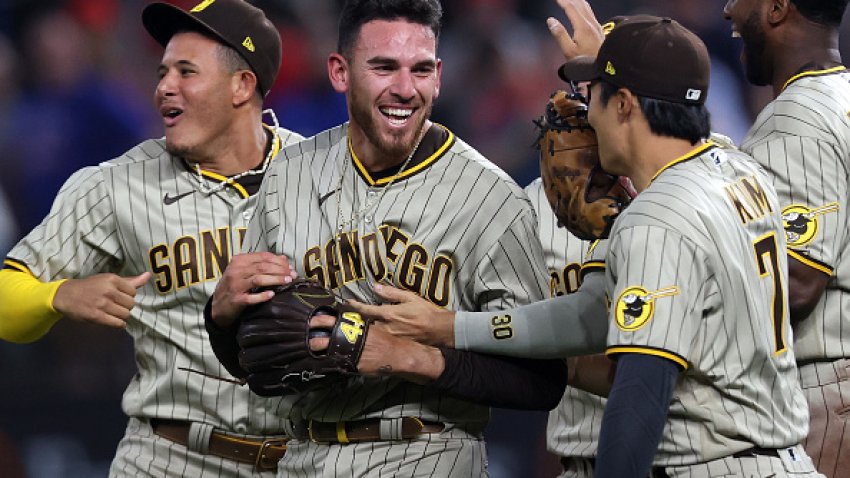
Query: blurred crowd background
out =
(76, 85)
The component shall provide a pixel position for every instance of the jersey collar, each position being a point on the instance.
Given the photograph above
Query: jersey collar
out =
(698, 151)
(250, 184)
(436, 142)
(827, 71)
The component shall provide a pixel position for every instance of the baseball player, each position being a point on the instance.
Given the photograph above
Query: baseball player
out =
(695, 273)
(139, 242)
(390, 197)
(802, 139)
(573, 427)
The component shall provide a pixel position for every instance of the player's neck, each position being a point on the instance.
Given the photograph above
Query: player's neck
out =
(374, 158)
(811, 48)
(654, 155)
(241, 148)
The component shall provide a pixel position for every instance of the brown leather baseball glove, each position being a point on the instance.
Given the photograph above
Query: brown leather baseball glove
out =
(585, 199)
(274, 340)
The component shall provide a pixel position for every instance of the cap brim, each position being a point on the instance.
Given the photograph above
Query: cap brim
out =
(163, 20)
(580, 68)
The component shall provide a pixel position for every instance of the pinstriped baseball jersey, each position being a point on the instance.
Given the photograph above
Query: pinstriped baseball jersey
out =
(573, 426)
(145, 211)
(802, 138)
(452, 227)
(563, 252)
(696, 273)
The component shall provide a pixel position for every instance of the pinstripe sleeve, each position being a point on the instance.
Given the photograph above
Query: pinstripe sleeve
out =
(657, 288)
(810, 177)
(79, 236)
(513, 272)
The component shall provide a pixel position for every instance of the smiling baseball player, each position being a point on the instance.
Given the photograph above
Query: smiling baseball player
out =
(802, 138)
(347, 208)
(139, 242)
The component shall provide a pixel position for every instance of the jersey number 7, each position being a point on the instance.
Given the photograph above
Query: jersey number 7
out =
(768, 264)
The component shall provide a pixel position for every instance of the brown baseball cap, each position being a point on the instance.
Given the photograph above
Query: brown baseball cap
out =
(236, 23)
(653, 56)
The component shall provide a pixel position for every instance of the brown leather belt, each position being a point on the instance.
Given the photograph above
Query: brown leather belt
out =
(264, 454)
(376, 429)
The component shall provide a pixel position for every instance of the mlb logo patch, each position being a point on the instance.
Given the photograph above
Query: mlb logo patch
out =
(693, 95)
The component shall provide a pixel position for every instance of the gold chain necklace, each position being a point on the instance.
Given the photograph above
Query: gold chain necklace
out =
(372, 199)
(202, 182)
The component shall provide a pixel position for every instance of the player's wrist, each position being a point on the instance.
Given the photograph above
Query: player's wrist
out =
(388, 355)
(219, 313)
(445, 330)
(417, 362)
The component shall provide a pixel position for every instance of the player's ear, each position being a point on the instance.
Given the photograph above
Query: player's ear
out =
(778, 11)
(438, 72)
(626, 103)
(338, 72)
(243, 85)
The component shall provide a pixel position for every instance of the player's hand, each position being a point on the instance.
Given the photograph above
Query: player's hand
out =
(587, 34)
(104, 299)
(408, 315)
(245, 272)
(386, 354)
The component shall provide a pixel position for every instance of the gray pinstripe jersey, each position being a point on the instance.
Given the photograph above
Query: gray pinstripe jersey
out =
(115, 218)
(454, 228)
(573, 426)
(696, 273)
(803, 139)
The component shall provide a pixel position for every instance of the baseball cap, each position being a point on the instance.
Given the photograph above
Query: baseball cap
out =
(235, 23)
(653, 56)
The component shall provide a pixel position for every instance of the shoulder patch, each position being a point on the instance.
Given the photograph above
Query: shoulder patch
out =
(636, 305)
(801, 222)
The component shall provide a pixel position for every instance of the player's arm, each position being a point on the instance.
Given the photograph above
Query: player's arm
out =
(563, 326)
(806, 285)
(49, 278)
(635, 414)
(223, 342)
(26, 305)
(808, 184)
(29, 307)
(506, 382)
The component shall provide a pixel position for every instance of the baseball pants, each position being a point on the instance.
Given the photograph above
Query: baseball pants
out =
(451, 453)
(142, 453)
(791, 463)
(827, 389)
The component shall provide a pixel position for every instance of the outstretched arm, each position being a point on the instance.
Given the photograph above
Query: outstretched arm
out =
(490, 380)
(564, 326)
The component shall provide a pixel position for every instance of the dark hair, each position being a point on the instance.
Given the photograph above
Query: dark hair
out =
(666, 118)
(230, 59)
(825, 12)
(233, 62)
(356, 13)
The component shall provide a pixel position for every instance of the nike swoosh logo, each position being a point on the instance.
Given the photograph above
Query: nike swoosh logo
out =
(167, 200)
(326, 196)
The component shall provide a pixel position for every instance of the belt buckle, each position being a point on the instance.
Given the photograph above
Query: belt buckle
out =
(262, 463)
